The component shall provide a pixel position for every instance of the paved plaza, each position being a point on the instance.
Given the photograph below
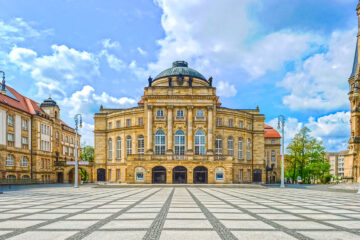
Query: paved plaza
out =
(178, 213)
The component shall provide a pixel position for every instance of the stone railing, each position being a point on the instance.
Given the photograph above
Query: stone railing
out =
(172, 157)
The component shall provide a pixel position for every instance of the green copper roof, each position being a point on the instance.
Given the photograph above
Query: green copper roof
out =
(180, 67)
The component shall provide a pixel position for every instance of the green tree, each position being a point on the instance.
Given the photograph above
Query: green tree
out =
(306, 158)
(87, 154)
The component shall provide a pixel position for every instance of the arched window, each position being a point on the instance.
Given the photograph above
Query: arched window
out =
(273, 155)
(160, 113)
(11, 177)
(118, 147)
(25, 177)
(230, 146)
(10, 161)
(199, 142)
(179, 142)
(240, 149)
(24, 162)
(200, 113)
(218, 145)
(128, 145)
(180, 113)
(160, 142)
(110, 148)
(248, 149)
(141, 144)
(56, 115)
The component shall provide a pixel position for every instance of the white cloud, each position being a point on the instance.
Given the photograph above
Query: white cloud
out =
(141, 51)
(113, 62)
(17, 30)
(108, 44)
(221, 37)
(332, 129)
(225, 89)
(65, 67)
(321, 81)
(86, 101)
(87, 134)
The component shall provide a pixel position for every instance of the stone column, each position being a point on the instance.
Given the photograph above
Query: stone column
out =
(210, 130)
(190, 129)
(149, 129)
(170, 129)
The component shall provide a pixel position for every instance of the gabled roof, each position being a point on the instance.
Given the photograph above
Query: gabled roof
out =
(270, 132)
(18, 101)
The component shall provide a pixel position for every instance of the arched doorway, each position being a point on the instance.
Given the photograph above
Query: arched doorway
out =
(60, 177)
(200, 175)
(159, 174)
(179, 174)
(72, 176)
(100, 174)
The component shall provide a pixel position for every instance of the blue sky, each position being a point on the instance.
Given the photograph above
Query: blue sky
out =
(289, 57)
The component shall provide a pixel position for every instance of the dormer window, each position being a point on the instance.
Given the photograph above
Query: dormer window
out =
(180, 113)
(200, 113)
(160, 113)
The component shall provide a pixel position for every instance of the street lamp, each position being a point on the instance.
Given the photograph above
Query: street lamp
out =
(78, 122)
(281, 119)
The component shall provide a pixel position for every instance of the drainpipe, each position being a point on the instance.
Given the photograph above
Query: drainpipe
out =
(252, 150)
(31, 146)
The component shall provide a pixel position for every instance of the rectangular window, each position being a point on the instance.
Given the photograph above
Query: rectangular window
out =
(230, 123)
(218, 122)
(24, 162)
(248, 175)
(48, 163)
(248, 149)
(140, 121)
(24, 124)
(10, 161)
(128, 122)
(240, 175)
(241, 124)
(141, 145)
(25, 143)
(118, 174)
(139, 176)
(10, 120)
(272, 141)
(118, 124)
(110, 125)
(240, 149)
(219, 176)
(11, 140)
(273, 155)
(249, 126)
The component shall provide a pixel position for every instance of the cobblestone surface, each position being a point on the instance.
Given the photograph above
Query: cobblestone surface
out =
(178, 213)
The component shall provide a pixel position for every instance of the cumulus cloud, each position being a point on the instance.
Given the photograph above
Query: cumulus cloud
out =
(321, 81)
(87, 101)
(65, 66)
(225, 89)
(17, 30)
(333, 129)
(113, 62)
(223, 37)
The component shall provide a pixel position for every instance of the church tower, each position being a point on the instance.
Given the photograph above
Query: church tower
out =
(352, 164)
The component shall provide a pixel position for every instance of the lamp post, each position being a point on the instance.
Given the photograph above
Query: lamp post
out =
(281, 119)
(78, 121)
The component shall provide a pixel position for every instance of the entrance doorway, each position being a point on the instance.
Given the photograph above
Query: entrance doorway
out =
(257, 175)
(100, 174)
(60, 177)
(200, 175)
(179, 174)
(159, 174)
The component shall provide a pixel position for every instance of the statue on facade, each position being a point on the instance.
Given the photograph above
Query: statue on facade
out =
(150, 81)
(210, 81)
(190, 82)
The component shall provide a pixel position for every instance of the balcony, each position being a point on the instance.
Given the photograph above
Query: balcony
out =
(59, 163)
(179, 118)
(160, 118)
(200, 119)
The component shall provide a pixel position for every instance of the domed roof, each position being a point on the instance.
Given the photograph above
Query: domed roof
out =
(48, 103)
(180, 68)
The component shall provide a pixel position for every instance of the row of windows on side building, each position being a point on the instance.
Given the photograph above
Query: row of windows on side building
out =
(179, 146)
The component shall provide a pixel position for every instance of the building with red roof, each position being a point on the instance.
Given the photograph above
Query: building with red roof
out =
(34, 142)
